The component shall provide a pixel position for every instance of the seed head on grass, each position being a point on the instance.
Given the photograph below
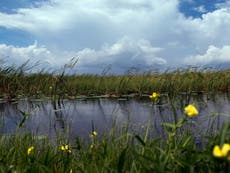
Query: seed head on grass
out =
(29, 150)
(222, 152)
(191, 110)
(65, 148)
(154, 96)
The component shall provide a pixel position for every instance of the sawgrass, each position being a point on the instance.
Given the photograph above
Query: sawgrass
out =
(20, 81)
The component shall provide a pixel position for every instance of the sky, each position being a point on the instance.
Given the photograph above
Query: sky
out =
(121, 34)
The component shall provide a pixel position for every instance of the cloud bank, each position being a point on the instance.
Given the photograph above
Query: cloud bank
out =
(122, 55)
(143, 33)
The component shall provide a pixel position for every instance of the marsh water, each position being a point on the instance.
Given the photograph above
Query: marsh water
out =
(80, 116)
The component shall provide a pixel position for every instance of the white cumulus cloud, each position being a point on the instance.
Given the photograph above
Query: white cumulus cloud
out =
(213, 54)
(21, 54)
(123, 54)
(121, 33)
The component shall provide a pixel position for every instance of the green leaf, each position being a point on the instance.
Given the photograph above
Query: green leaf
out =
(224, 131)
(25, 117)
(169, 125)
(121, 161)
(139, 139)
(40, 137)
(186, 141)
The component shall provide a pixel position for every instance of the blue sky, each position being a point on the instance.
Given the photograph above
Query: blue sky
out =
(146, 34)
(195, 8)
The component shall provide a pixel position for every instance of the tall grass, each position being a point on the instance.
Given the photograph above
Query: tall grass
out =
(20, 81)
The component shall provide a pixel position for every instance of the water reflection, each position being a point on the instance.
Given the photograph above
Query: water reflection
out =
(72, 118)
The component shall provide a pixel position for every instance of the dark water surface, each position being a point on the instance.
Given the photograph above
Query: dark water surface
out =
(75, 117)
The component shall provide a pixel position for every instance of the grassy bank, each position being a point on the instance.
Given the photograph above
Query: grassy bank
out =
(118, 152)
(17, 81)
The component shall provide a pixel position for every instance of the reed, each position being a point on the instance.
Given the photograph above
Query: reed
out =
(20, 81)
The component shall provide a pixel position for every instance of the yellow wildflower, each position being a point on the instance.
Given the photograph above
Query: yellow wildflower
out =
(65, 148)
(29, 150)
(191, 110)
(154, 96)
(221, 152)
(94, 133)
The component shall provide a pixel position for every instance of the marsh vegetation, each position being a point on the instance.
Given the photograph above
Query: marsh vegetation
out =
(184, 126)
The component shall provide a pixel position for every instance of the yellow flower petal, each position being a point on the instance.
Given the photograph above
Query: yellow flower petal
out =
(221, 151)
(191, 110)
(225, 149)
(66, 147)
(30, 149)
(217, 151)
(94, 133)
(154, 96)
